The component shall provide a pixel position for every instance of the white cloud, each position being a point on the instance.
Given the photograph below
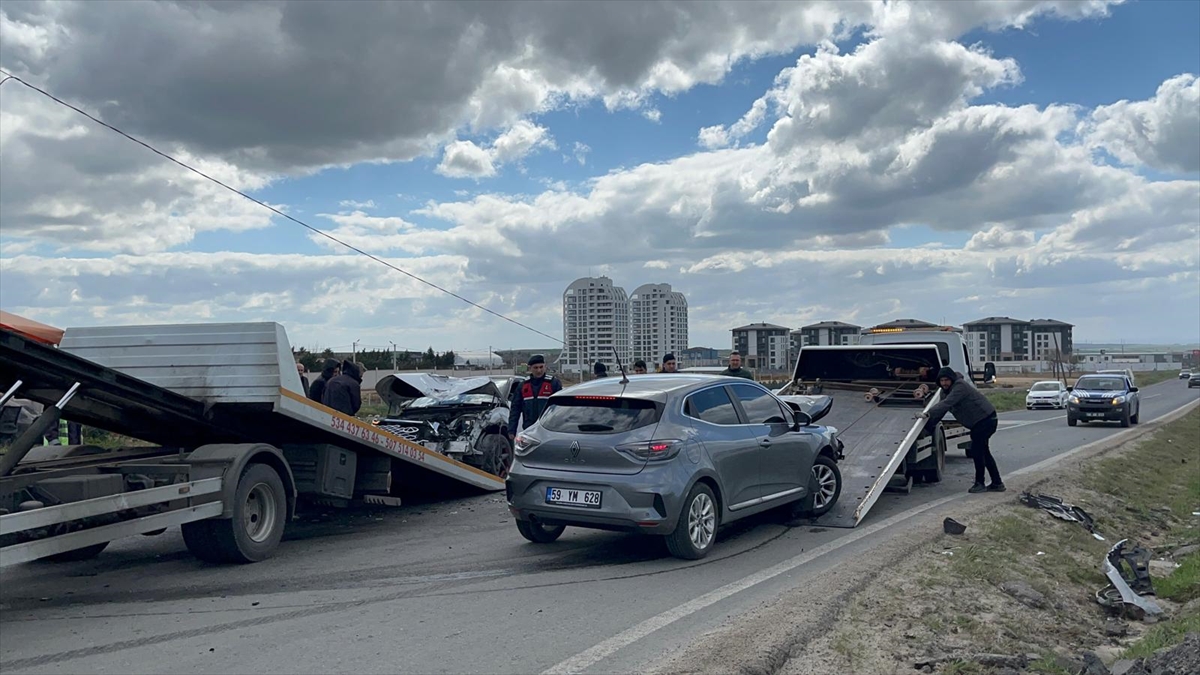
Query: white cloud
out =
(352, 204)
(465, 159)
(999, 237)
(1162, 133)
(581, 152)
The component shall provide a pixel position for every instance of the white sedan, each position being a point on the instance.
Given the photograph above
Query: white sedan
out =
(1046, 394)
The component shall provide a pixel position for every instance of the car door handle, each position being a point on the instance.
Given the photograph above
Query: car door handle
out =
(766, 442)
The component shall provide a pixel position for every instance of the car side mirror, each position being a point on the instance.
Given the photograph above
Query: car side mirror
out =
(802, 419)
(1134, 390)
(1070, 388)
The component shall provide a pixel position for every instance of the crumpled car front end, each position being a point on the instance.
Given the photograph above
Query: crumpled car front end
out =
(463, 418)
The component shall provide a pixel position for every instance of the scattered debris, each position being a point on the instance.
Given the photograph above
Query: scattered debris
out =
(1060, 509)
(952, 526)
(1024, 593)
(1041, 553)
(1162, 568)
(1115, 628)
(1129, 574)
(1183, 658)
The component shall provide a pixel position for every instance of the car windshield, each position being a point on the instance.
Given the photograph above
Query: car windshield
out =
(461, 399)
(1045, 386)
(598, 415)
(1101, 383)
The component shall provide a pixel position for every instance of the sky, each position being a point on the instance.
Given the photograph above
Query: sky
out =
(787, 162)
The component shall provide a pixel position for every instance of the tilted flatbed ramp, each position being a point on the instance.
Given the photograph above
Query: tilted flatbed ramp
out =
(878, 433)
(877, 438)
(232, 382)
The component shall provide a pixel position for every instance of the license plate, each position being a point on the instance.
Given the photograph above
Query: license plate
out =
(1095, 414)
(588, 499)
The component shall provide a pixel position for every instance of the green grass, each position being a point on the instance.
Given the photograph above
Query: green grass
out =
(1006, 399)
(1145, 379)
(1184, 583)
(1166, 634)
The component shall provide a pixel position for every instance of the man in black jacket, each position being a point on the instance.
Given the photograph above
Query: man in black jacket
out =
(974, 411)
(735, 368)
(316, 390)
(344, 392)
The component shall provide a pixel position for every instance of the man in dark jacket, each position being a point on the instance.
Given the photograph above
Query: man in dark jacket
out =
(669, 364)
(303, 373)
(974, 411)
(344, 392)
(600, 370)
(532, 397)
(735, 368)
(316, 390)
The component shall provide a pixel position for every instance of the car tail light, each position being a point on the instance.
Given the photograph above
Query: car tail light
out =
(652, 451)
(523, 445)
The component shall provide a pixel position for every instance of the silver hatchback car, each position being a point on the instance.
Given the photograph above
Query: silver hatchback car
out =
(674, 455)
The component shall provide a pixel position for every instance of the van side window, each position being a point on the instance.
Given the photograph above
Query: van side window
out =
(713, 406)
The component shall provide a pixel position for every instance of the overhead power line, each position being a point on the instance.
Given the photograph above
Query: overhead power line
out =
(9, 76)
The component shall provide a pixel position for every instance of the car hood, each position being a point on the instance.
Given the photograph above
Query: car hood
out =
(1044, 394)
(1097, 393)
(408, 386)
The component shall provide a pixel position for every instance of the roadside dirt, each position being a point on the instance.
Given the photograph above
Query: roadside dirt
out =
(1014, 593)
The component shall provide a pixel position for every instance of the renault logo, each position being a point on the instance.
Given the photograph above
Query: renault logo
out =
(574, 449)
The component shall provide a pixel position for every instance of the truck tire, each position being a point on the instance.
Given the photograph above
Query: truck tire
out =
(1072, 421)
(696, 531)
(85, 553)
(1125, 420)
(254, 532)
(932, 472)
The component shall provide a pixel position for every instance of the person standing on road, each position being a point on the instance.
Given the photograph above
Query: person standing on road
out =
(344, 392)
(974, 411)
(531, 399)
(303, 372)
(735, 368)
(316, 390)
(600, 370)
(639, 367)
(670, 365)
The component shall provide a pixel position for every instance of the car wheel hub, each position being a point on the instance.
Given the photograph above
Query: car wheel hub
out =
(826, 485)
(702, 520)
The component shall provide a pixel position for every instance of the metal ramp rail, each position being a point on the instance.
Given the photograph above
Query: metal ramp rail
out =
(878, 434)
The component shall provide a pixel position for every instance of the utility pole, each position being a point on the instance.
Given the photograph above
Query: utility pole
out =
(354, 351)
(489, 359)
(393, 355)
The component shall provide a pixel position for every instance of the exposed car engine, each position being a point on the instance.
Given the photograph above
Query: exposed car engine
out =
(462, 418)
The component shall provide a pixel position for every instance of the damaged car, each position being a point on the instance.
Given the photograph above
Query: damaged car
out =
(465, 419)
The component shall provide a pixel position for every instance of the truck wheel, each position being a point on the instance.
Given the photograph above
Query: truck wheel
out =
(253, 534)
(933, 474)
(1137, 417)
(85, 553)
(1071, 421)
(1125, 421)
(538, 533)
(696, 530)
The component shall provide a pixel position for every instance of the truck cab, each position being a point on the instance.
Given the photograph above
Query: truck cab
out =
(949, 341)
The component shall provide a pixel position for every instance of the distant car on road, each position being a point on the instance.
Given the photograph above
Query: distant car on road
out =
(1185, 374)
(1046, 394)
(1102, 397)
(1194, 380)
(674, 455)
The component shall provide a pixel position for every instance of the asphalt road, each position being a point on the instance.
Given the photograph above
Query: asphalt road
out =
(449, 587)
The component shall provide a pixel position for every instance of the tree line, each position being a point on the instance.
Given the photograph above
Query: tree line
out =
(380, 359)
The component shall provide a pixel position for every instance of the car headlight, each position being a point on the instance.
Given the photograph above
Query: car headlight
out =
(1118, 400)
(1074, 399)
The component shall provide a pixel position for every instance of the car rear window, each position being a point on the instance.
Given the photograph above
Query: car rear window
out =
(598, 415)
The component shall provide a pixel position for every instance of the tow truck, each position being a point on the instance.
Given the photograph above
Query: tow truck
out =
(877, 390)
(234, 444)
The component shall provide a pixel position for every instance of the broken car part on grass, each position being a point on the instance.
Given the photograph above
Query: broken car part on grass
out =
(1060, 509)
(463, 418)
(1128, 570)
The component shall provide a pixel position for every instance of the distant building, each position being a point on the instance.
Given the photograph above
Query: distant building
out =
(595, 322)
(1002, 338)
(763, 346)
(701, 356)
(827, 333)
(659, 322)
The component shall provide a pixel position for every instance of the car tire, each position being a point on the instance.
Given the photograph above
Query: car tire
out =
(1125, 417)
(1071, 421)
(1137, 416)
(696, 530)
(538, 533)
(821, 501)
